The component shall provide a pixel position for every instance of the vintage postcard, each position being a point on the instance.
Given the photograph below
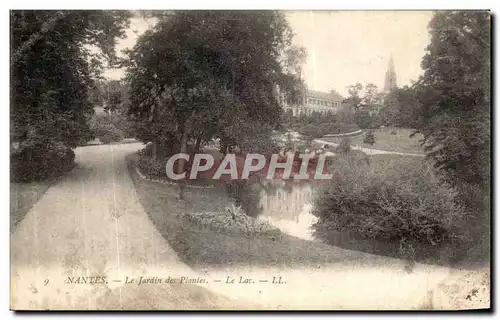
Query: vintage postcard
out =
(250, 160)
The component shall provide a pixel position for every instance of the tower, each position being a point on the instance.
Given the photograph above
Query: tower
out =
(390, 77)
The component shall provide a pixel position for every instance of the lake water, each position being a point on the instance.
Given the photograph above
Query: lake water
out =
(287, 207)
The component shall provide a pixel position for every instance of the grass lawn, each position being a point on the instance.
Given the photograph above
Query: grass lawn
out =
(200, 247)
(384, 140)
(22, 197)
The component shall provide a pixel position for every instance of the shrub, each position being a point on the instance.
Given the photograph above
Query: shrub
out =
(109, 134)
(104, 129)
(124, 125)
(365, 120)
(320, 129)
(40, 163)
(335, 128)
(311, 131)
(369, 138)
(153, 150)
(390, 198)
(345, 128)
(155, 168)
(232, 220)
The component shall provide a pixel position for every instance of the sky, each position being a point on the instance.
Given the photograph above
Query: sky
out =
(345, 47)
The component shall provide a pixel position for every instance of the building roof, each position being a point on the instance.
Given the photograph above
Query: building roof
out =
(336, 96)
(331, 96)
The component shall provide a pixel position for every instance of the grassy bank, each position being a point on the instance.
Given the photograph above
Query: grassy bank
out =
(200, 247)
(22, 198)
(384, 140)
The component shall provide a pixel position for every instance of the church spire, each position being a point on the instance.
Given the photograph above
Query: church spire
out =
(390, 77)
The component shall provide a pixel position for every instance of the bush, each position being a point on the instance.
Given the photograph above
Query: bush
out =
(365, 120)
(41, 163)
(310, 130)
(345, 128)
(318, 130)
(148, 150)
(369, 138)
(124, 125)
(389, 199)
(232, 220)
(152, 167)
(104, 129)
(108, 134)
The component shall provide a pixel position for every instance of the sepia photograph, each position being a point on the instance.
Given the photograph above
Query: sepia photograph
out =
(186, 160)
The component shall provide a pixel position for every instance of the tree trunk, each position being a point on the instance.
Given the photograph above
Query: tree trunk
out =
(225, 150)
(182, 163)
(232, 85)
(197, 145)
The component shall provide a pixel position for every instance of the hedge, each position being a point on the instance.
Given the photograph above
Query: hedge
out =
(40, 163)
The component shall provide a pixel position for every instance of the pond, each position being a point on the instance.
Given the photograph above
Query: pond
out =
(285, 205)
(288, 207)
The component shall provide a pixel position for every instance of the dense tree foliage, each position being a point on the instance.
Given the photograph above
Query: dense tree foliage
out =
(364, 104)
(454, 93)
(401, 108)
(199, 75)
(55, 57)
(116, 97)
(113, 124)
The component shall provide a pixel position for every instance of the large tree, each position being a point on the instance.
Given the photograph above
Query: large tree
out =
(454, 93)
(401, 108)
(55, 58)
(203, 74)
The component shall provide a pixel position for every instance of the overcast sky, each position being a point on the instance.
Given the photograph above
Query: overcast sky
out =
(345, 47)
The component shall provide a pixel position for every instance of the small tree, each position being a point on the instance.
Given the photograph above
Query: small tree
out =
(369, 138)
(344, 146)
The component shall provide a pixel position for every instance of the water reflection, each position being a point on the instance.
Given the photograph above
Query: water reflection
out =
(285, 205)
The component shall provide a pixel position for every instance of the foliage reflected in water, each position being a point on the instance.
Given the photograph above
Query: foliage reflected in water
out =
(248, 194)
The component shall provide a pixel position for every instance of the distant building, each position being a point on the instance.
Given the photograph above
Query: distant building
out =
(315, 101)
(390, 82)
